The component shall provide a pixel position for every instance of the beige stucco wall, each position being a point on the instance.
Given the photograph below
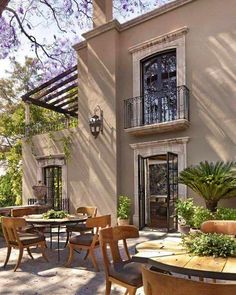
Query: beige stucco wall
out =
(210, 75)
(102, 168)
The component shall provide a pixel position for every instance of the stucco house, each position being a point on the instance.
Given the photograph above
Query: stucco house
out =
(164, 83)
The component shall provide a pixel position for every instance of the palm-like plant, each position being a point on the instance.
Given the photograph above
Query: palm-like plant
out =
(212, 181)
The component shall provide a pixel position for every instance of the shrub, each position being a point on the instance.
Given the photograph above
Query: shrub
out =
(185, 211)
(225, 214)
(201, 214)
(212, 181)
(124, 207)
(217, 245)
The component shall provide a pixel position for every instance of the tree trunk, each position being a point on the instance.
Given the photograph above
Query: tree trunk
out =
(211, 205)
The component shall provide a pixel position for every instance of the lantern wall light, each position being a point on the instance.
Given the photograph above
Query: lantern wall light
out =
(96, 122)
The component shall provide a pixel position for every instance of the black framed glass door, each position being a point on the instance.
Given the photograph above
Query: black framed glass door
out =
(172, 190)
(141, 190)
(159, 88)
(158, 190)
(53, 181)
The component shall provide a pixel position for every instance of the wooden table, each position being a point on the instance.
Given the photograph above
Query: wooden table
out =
(171, 256)
(55, 223)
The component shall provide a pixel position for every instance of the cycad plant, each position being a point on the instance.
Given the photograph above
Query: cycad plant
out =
(212, 181)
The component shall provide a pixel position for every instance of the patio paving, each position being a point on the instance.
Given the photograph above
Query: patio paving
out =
(38, 277)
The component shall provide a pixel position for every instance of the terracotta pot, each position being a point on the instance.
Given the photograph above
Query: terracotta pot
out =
(184, 229)
(121, 221)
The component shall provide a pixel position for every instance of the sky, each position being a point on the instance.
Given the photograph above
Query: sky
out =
(45, 33)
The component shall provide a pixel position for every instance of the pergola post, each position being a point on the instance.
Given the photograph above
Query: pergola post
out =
(27, 117)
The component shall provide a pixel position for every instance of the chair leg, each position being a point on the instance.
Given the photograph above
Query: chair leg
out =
(8, 256)
(19, 258)
(132, 290)
(42, 248)
(108, 287)
(94, 261)
(71, 256)
(86, 255)
(30, 254)
(67, 238)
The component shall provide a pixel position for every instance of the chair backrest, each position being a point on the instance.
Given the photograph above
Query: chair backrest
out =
(90, 211)
(10, 227)
(227, 227)
(98, 223)
(163, 284)
(111, 236)
(19, 212)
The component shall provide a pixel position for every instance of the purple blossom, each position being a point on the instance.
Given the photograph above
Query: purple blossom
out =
(8, 39)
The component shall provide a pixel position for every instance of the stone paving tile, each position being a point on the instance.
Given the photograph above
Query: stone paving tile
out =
(37, 277)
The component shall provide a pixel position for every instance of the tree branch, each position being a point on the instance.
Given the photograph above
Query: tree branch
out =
(54, 14)
(31, 38)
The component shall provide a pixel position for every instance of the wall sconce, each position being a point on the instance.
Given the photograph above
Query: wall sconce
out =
(96, 122)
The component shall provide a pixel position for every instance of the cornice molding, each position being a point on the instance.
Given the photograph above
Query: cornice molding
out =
(179, 140)
(115, 24)
(160, 39)
(111, 25)
(154, 13)
(80, 45)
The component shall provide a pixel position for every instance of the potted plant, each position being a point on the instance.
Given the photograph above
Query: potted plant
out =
(212, 181)
(185, 212)
(201, 215)
(123, 210)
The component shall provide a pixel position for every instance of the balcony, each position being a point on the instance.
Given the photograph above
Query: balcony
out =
(157, 112)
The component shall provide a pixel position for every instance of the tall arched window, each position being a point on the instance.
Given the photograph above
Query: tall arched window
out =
(159, 87)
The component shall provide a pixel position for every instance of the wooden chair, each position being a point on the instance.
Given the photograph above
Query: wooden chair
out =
(227, 227)
(89, 241)
(156, 283)
(16, 239)
(122, 272)
(80, 227)
(21, 212)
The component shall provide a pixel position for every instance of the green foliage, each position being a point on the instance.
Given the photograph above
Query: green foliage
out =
(12, 127)
(201, 215)
(185, 211)
(217, 245)
(225, 214)
(212, 181)
(7, 196)
(52, 214)
(124, 207)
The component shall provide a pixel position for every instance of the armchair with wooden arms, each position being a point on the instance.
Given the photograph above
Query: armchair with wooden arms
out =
(89, 241)
(80, 227)
(15, 238)
(122, 272)
(163, 284)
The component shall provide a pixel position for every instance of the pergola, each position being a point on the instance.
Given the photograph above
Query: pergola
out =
(58, 94)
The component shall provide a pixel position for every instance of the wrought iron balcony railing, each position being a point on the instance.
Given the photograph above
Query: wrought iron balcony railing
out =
(157, 107)
(40, 127)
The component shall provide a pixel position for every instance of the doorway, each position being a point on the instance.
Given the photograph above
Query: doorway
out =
(158, 190)
(53, 181)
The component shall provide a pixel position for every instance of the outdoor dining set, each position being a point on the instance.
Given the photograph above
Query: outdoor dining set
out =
(163, 266)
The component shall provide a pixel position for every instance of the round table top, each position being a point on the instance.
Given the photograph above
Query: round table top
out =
(169, 255)
(38, 218)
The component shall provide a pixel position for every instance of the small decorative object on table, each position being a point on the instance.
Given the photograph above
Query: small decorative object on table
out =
(124, 210)
(52, 214)
(40, 192)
